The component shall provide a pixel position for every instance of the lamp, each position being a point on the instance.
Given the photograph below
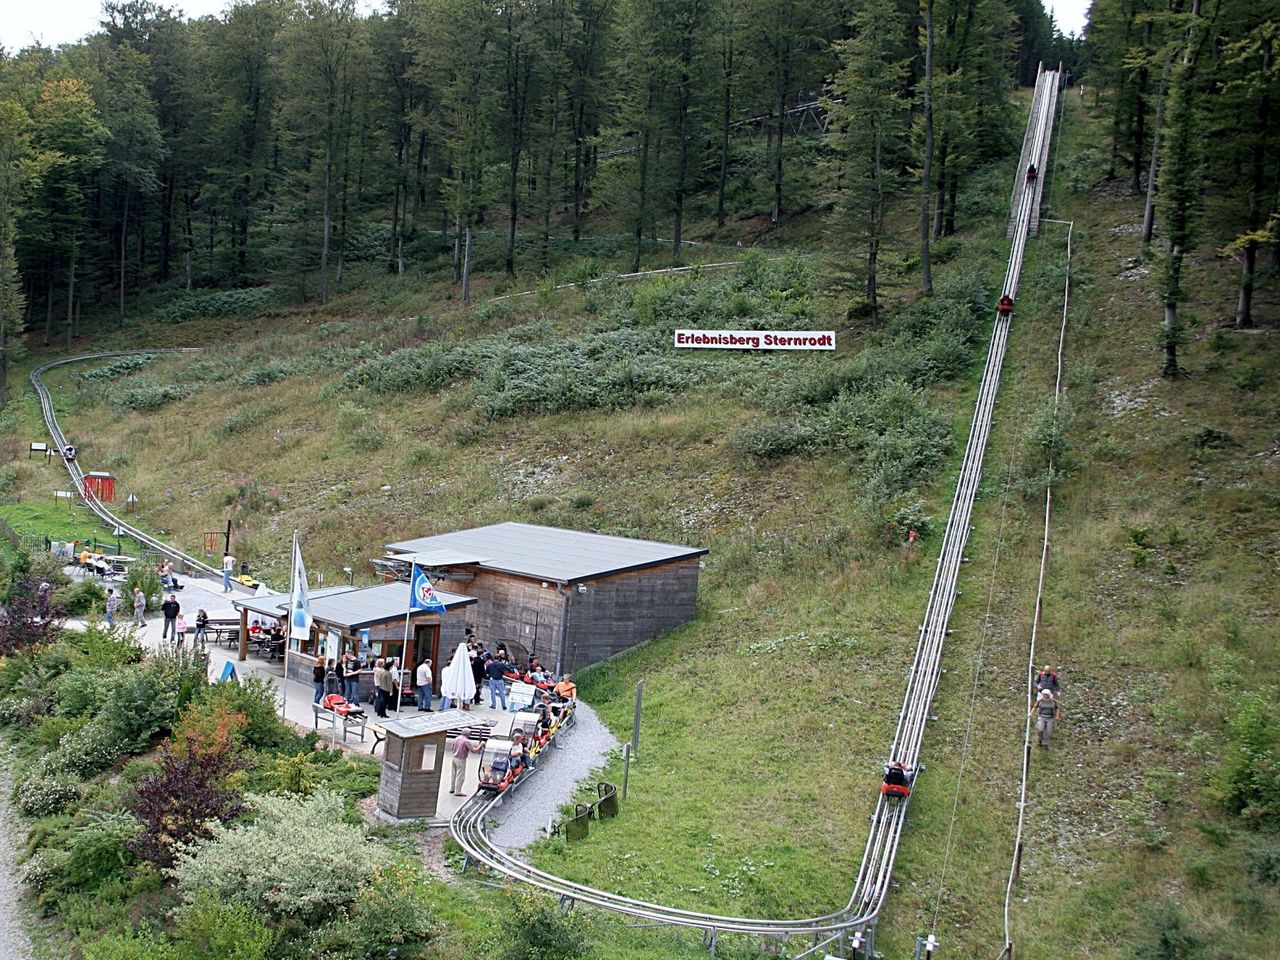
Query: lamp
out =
(351, 576)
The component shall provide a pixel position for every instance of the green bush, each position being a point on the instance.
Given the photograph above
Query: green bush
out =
(133, 946)
(264, 373)
(254, 698)
(103, 647)
(296, 859)
(1250, 775)
(397, 890)
(40, 794)
(80, 598)
(209, 930)
(152, 397)
(538, 930)
(219, 303)
(120, 367)
(98, 850)
(43, 871)
(92, 748)
(147, 700)
(80, 691)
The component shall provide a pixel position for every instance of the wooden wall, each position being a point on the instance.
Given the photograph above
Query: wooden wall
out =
(405, 789)
(615, 613)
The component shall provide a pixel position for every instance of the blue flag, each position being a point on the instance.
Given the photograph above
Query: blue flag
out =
(423, 596)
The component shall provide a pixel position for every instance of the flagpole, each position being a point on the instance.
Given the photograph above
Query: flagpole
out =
(404, 649)
(284, 659)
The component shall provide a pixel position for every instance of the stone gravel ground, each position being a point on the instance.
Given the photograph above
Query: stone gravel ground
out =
(14, 942)
(584, 747)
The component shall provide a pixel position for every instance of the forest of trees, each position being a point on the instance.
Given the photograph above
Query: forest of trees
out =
(271, 144)
(1191, 85)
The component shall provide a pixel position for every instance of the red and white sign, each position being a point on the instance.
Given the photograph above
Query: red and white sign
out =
(755, 339)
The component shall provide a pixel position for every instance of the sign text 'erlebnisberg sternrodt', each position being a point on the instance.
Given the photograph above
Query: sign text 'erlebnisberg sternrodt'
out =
(756, 339)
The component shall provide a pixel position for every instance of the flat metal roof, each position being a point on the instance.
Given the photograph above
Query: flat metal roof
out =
(352, 608)
(548, 553)
(437, 722)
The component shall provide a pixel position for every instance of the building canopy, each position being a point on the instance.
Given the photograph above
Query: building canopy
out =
(353, 609)
(543, 553)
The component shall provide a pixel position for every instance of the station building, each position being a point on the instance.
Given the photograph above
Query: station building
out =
(568, 597)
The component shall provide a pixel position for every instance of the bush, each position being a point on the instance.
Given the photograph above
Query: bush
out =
(120, 367)
(45, 869)
(81, 598)
(254, 699)
(152, 397)
(209, 930)
(192, 790)
(142, 576)
(102, 647)
(538, 930)
(40, 794)
(219, 303)
(1250, 777)
(92, 748)
(264, 373)
(148, 699)
(80, 691)
(99, 850)
(397, 890)
(132, 946)
(297, 859)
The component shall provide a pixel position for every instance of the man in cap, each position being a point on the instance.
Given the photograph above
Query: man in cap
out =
(1045, 711)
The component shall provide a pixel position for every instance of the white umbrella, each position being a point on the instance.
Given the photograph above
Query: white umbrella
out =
(458, 683)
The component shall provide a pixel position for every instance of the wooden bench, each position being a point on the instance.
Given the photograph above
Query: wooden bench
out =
(357, 722)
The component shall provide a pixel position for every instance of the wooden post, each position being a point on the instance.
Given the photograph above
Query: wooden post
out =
(244, 633)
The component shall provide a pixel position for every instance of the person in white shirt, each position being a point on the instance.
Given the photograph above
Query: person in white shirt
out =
(422, 683)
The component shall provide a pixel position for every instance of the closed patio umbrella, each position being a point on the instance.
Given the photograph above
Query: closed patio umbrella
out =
(457, 683)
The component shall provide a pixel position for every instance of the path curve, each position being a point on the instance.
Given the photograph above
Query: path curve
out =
(15, 944)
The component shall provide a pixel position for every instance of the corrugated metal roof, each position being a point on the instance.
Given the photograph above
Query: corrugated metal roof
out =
(549, 553)
(353, 608)
(429, 723)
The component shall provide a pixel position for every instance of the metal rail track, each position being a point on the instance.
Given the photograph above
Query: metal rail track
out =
(851, 928)
(77, 475)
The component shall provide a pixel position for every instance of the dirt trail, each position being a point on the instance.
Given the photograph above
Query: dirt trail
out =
(14, 942)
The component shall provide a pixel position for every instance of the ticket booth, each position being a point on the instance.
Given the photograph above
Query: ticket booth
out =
(101, 484)
(413, 764)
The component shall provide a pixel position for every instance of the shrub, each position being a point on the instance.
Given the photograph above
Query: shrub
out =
(147, 700)
(40, 794)
(538, 930)
(142, 576)
(88, 750)
(23, 627)
(397, 890)
(81, 598)
(79, 691)
(120, 367)
(209, 930)
(132, 946)
(99, 850)
(264, 373)
(45, 869)
(192, 790)
(219, 303)
(103, 647)
(296, 859)
(152, 397)
(254, 699)
(1250, 777)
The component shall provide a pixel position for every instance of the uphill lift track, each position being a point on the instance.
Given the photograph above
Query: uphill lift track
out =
(849, 932)
(77, 475)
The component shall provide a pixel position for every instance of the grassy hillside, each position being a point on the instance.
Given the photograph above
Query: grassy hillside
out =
(767, 718)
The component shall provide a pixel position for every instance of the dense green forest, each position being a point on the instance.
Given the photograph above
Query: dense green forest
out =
(282, 142)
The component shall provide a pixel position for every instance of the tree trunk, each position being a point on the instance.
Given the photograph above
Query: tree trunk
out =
(926, 274)
(124, 226)
(457, 248)
(726, 107)
(327, 225)
(776, 213)
(71, 288)
(642, 200)
(48, 309)
(1149, 210)
(579, 133)
(466, 271)
(682, 150)
(1244, 304)
(1171, 331)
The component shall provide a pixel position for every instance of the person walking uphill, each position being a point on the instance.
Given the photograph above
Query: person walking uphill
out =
(228, 564)
(1046, 713)
(170, 608)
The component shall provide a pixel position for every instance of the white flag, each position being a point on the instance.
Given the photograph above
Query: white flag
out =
(299, 602)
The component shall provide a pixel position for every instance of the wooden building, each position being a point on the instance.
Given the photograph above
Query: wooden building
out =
(370, 621)
(569, 597)
(413, 764)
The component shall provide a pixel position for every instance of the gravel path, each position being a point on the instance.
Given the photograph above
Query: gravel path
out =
(584, 747)
(14, 942)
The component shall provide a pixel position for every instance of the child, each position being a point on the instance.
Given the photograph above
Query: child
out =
(180, 630)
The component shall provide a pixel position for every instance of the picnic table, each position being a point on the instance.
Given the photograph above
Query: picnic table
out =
(357, 722)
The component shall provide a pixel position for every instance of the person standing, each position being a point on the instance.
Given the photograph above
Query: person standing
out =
(1046, 713)
(463, 747)
(495, 670)
(139, 607)
(478, 658)
(43, 593)
(317, 677)
(422, 683)
(381, 687)
(202, 628)
(1046, 679)
(113, 601)
(339, 671)
(351, 679)
(180, 630)
(228, 564)
(394, 674)
(170, 608)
